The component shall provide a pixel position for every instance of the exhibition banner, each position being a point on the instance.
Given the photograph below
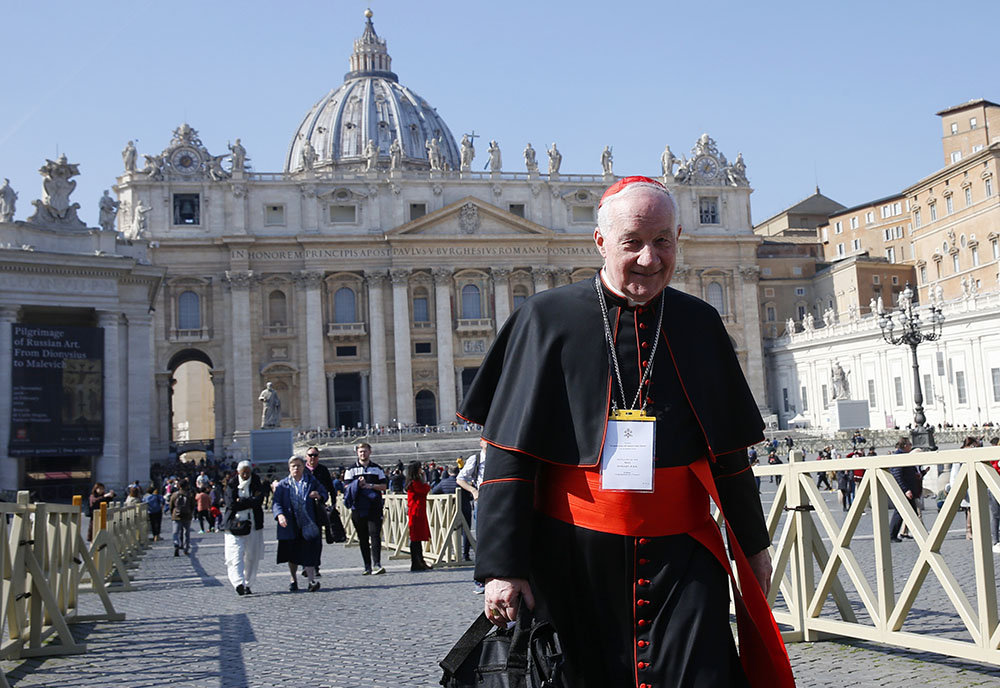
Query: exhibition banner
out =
(57, 399)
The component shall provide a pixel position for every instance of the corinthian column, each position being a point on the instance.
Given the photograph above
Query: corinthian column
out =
(562, 276)
(541, 273)
(315, 415)
(445, 353)
(109, 467)
(140, 397)
(242, 375)
(376, 347)
(501, 291)
(405, 412)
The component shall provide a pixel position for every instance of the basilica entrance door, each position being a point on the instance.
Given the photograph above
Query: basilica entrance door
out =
(347, 399)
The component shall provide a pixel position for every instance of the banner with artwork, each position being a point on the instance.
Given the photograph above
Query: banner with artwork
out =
(57, 390)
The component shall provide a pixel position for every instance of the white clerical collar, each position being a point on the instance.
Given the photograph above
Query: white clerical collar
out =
(611, 288)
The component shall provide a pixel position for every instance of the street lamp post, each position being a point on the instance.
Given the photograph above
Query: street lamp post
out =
(910, 334)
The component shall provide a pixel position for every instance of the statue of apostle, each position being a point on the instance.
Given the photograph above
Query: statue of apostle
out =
(270, 415)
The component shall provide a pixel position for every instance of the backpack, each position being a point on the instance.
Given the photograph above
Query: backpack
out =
(182, 505)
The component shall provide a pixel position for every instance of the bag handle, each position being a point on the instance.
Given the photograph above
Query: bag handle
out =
(466, 644)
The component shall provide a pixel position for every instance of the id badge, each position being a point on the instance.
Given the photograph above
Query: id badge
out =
(627, 454)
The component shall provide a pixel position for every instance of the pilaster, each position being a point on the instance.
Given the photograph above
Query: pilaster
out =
(541, 274)
(501, 292)
(8, 465)
(218, 376)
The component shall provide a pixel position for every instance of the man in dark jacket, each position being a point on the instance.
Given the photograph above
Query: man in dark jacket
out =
(181, 511)
(448, 485)
(910, 483)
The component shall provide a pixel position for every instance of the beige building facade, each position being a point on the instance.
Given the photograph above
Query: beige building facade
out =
(367, 279)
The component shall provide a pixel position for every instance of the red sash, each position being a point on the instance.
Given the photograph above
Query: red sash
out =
(573, 495)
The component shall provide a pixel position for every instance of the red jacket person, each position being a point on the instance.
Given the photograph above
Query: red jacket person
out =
(614, 409)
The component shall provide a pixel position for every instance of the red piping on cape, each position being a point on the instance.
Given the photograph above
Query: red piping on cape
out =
(506, 480)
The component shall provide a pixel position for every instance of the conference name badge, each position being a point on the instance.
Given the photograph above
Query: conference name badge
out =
(627, 454)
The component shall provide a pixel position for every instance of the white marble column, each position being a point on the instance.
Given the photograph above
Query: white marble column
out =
(8, 465)
(140, 398)
(501, 292)
(540, 274)
(315, 415)
(445, 353)
(218, 376)
(405, 410)
(109, 466)
(376, 344)
(242, 373)
(162, 407)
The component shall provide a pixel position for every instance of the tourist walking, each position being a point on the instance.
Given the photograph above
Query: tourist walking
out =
(366, 482)
(416, 511)
(154, 510)
(294, 505)
(97, 495)
(244, 526)
(181, 511)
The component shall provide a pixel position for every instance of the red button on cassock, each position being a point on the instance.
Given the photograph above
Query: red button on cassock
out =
(645, 345)
(642, 665)
(643, 582)
(643, 541)
(641, 603)
(642, 643)
(645, 685)
(643, 562)
(643, 623)
(644, 364)
(642, 326)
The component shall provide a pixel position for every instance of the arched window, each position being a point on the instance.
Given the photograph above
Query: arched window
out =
(425, 408)
(277, 308)
(344, 306)
(421, 306)
(715, 297)
(188, 311)
(472, 307)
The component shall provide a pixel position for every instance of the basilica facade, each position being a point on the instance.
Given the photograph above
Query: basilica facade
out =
(367, 278)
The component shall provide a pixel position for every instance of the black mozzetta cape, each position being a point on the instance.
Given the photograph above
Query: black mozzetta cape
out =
(544, 387)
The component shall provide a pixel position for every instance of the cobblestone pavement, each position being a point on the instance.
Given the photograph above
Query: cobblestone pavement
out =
(186, 626)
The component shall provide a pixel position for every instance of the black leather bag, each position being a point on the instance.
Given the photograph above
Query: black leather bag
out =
(527, 656)
(334, 527)
(238, 527)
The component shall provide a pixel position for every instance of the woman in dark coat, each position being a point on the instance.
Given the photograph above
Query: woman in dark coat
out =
(294, 504)
(243, 522)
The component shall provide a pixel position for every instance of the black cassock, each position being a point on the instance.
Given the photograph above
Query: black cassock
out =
(630, 611)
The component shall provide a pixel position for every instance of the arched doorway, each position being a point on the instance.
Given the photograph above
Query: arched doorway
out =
(192, 405)
(426, 408)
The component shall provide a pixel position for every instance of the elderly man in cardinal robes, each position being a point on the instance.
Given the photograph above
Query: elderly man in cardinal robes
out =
(614, 409)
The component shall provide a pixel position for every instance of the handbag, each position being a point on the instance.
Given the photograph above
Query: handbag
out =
(238, 527)
(527, 656)
(334, 527)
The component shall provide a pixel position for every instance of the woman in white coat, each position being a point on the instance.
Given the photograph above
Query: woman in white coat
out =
(244, 526)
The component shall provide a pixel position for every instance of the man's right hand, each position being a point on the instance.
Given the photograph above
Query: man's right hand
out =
(503, 597)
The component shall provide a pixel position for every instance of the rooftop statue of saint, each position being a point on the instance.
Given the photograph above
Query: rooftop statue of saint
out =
(530, 162)
(468, 153)
(128, 157)
(555, 159)
(107, 212)
(8, 199)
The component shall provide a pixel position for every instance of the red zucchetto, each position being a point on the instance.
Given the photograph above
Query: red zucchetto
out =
(625, 181)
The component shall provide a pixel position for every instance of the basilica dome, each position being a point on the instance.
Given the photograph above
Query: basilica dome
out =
(372, 105)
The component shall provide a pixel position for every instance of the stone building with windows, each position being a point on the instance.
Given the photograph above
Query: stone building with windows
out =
(368, 277)
(940, 235)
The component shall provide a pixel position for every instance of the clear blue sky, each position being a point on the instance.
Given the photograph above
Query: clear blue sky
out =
(843, 93)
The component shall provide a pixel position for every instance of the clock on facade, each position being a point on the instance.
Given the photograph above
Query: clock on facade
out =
(706, 167)
(185, 160)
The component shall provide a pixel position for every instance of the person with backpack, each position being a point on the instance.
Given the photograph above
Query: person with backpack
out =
(181, 511)
(154, 510)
